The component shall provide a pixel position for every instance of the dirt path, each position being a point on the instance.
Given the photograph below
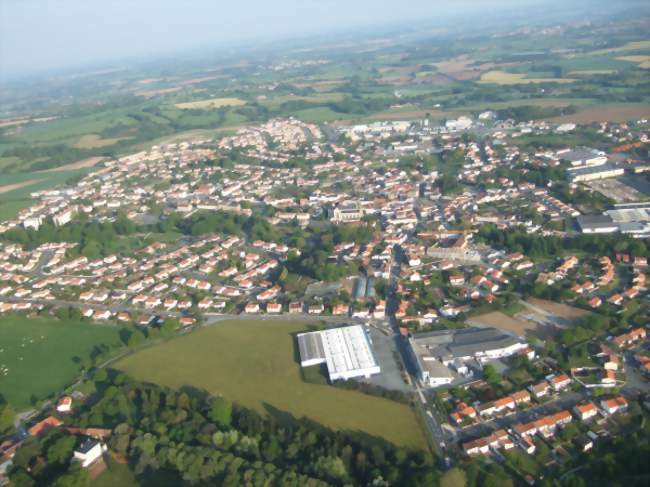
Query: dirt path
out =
(84, 163)
(12, 187)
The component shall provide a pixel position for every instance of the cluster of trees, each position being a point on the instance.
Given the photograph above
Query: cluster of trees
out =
(48, 156)
(47, 460)
(540, 246)
(254, 227)
(196, 439)
(585, 329)
(525, 113)
(315, 251)
(95, 239)
(592, 199)
(361, 106)
(620, 461)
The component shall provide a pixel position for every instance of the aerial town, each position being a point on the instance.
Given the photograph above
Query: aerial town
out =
(324, 243)
(371, 232)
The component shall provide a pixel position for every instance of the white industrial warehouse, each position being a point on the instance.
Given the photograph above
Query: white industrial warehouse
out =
(347, 351)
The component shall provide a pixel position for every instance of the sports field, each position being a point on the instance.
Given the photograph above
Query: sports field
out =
(40, 356)
(254, 363)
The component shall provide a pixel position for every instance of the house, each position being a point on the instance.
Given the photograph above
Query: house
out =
(44, 426)
(89, 451)
(340, 309)
(273, 308)
(595, 302)
(585, 410)
(617, 404)
(611, 362)
(521, 397)
(186, 321)
(456, 280)
(462, 411)
(64, 405)
(295, 308)
(487, 409)
(527, 445)
(616, 299)
(252, 308)
(123, 316)
(316, 309)
(504, 403)
(560, 382)
(584, 443)
(630, 337)
(497, 440)
(540, 389)
(102, 314)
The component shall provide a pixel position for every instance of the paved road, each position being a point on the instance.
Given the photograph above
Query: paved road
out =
(425, 408)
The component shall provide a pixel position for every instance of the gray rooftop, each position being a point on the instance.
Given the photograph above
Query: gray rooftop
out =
(595, 221)
(310, 346)
(449, 344)
(576, 155)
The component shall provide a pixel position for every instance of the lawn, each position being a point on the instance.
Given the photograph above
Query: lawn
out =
(42, 355)
(254, 363)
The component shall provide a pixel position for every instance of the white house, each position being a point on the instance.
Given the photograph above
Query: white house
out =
(89, 451)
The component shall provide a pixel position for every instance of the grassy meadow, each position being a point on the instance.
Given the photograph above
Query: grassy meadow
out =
(40, 356)
(255, 364)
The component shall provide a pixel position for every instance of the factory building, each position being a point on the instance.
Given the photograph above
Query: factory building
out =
(436, 351)
(346, 351)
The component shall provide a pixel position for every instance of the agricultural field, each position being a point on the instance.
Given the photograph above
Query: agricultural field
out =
(94, 141)
(210, 104)
(505, 78)
(255, 363)
(615, 112)
(41, 356)
(16, 189)
(642, 61)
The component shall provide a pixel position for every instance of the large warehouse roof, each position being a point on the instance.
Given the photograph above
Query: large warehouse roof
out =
(449, 344)
(347, 351)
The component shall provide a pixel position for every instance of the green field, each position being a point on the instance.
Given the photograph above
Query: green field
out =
(12, 202)
(43, 355)
(254, 363)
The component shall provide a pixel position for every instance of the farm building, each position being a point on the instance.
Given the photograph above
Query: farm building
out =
(347, 351)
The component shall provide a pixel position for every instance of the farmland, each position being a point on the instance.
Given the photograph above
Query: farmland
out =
(254, 363)
(211, 103)
(358, 85)
(620, 112)
(504, 78)
(41, 356)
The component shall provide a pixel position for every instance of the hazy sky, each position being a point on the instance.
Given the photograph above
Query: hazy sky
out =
(43, 34)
